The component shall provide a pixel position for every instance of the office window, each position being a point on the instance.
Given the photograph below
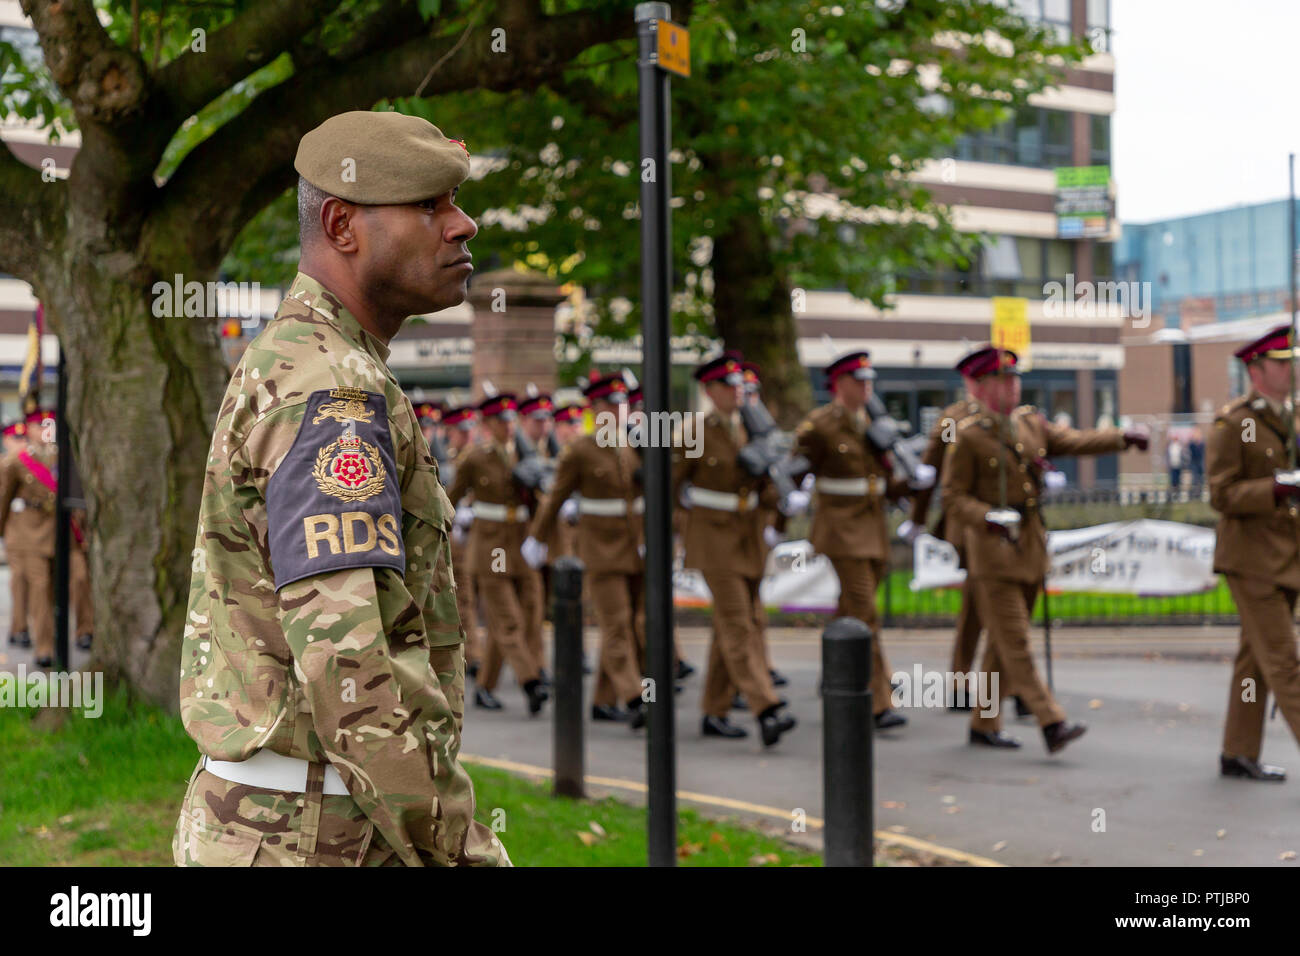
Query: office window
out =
(1034, 137)
(1103, 259)
(1060, 258)
(1099, 24)
(1100, 140)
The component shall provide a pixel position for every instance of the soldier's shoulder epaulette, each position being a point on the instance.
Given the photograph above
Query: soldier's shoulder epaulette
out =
(1242, 403)
(968, 421)
(1024, 411)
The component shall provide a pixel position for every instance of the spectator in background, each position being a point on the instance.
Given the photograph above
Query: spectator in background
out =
(1176, 454)
(1196, 460)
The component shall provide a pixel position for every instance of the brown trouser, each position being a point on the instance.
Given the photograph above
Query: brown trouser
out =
(18, 601)
(37, 573)
(513, 606)
(1005, 608)
(1267, 656)
(968, 630)
(859, 579)
(619, 603)
(79, 590)
(467, 607)
(736, 651)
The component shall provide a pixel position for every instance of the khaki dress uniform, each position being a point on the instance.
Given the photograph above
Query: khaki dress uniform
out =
(27, 523)
(79, 575)
(609, 535)
(968, 619)
(1257, 550)
(852, 487)
(724, 542)
(1006, 576)
(466, 595)
(510, 589)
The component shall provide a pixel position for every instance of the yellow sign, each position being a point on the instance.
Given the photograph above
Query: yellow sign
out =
(674, 48)
(1011, 326)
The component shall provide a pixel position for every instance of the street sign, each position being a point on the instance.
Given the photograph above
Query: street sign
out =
(673, 47)
(1011, 326)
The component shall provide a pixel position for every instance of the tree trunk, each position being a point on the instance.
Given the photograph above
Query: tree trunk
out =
(751, 307)
(141, 399)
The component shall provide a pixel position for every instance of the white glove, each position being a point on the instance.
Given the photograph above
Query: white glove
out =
(464, 517)
(809, 482)
(569, 511)
(795, 503)
(534, 552)
(1054, 479)
(684, 499)
(909, 532)
(640, 549)
(457, 535)
(771, 536)
(924, 477)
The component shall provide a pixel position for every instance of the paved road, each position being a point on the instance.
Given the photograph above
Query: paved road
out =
(1153, 699)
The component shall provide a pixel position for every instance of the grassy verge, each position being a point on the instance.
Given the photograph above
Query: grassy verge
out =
(106, 792)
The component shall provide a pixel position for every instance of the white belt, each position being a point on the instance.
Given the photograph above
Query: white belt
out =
(490, 512)
(268, 770)
(609, 507)
(869, 485)
(721, 500)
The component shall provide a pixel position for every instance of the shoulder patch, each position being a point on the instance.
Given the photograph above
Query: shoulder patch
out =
(334, 502)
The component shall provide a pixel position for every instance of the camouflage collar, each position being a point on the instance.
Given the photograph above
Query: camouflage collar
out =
(324, 303)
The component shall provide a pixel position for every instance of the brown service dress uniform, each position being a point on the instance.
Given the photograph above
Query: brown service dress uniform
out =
(79, 574)
(1257, 549)
(466, 595)
(27, 522)
(968, 619)
(1006, 576)
(17, 586)
(849, 526)
(724, 542)
(609, 535)
(510, 589)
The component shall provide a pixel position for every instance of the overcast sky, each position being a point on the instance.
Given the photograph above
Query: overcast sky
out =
(1207, 104)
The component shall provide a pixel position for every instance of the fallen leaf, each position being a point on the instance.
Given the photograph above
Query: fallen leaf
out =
(1221, 834)
(66, 819)
(999, 846)
(1095, 704)
(949, 798)
(763, 859)
(898, 828)
(894, 805)
(588, 838)
(1184, 708)
(1198, 853)
(1056, 855)
(597, 829)
(690, 849)
(952, 809)
(1286, 855)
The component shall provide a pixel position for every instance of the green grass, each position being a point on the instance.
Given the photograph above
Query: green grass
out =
(106, 792)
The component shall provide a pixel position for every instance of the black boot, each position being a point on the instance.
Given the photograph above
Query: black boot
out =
(684, 670)
(486, 699)
(83, 641)
(24, 639)
(586, 668)
(738, 702)
(778, 679)
(774, 722)
(537, 695)
(1061, 733)
(637, 710)
(13, 636)
(994, 738)
(1021, 709)
(1253, 769)
(472, 671)
(543, 676)
(721, 727)
(45, 662)
(606, 712)
(889, 718)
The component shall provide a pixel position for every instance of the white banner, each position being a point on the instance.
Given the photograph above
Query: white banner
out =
(795, 579)
(1144, 557)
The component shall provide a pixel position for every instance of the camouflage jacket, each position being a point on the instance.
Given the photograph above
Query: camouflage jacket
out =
(322, 593)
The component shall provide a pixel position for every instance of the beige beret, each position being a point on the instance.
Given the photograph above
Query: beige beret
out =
(380, 159)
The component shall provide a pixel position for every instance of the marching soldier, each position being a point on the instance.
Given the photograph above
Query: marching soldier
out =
(83, 607)
(27, 498)
(992, 482)
(536, 417)
(510, 588)
(1257, 549)
(458, 431)
(853, 483)
(15, 440)
(724, 541)
(968, 622)
(322, 674)
(610, 535)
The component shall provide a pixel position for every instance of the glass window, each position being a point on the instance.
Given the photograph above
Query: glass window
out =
(1100, 140)
(1060, 258)
(1099, 13)
(1058, 137)
(1056, 11)
(1103, 397)
(1031, 257)
(1002, 258)
(1103, 259)
(1029, 138)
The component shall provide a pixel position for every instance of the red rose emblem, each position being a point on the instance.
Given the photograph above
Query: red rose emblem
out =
(350, 469)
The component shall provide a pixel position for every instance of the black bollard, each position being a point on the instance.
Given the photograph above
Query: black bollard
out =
(566, 573)
(846, 742)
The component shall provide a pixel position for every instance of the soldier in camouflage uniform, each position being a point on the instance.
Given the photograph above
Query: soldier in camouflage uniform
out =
(322, 674)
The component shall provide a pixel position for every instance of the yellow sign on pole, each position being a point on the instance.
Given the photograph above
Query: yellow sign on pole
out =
(1011, 326)
(674, 48)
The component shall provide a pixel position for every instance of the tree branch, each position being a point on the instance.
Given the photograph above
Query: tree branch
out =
(245, 44)
(28, 226)
(211, 197)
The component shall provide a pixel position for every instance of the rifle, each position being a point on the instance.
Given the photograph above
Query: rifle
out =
(884, 433)
(532, 471)
(768, 449)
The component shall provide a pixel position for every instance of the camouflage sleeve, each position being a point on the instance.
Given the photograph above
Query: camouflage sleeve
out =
(464, 474)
